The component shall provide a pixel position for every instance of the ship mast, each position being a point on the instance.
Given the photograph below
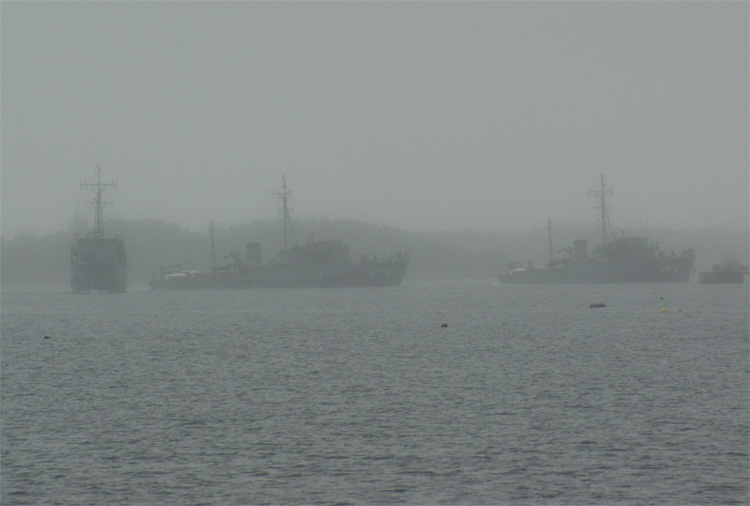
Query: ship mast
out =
(549, 232)
(284, 195)
(602, 194)
(98, 204)
(213, 249)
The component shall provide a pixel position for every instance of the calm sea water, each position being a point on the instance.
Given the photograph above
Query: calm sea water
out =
(361, 396)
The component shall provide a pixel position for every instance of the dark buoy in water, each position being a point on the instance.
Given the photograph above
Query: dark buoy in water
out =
(443, 324)
(46, 337)
(597, 304)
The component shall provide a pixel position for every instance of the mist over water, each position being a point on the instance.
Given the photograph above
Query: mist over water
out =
(433, 121)
(418, 115)
(361, 396)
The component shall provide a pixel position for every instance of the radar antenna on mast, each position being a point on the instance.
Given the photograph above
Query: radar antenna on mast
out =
(98, 204)
(602, 194)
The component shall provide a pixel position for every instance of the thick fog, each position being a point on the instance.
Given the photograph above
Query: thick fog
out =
(423, 116)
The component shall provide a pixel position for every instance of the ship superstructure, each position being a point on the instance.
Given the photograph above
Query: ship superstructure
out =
(98, 262)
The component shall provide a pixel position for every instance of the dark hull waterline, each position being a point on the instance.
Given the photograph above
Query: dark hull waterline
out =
(374, 274)
(99, 277)
(666, 270)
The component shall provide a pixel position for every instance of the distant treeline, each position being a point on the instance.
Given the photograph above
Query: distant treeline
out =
(152, 244)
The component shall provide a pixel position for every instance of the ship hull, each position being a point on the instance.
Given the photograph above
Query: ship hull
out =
(98, 265)
(372, 274)
(711, 278)
(98, 277)
(661, 270)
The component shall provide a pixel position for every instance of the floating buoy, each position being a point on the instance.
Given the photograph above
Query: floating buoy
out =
(443, 324)
(46, 337)
(597, 304)
(662, 310)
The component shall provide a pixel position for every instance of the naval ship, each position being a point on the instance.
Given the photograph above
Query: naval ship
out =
(729, 271)
(97, 262)
(314, 264)
(617, 260)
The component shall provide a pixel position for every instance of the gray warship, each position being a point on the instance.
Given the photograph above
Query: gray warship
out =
(617, 260)
(316, 264)
(97, 262)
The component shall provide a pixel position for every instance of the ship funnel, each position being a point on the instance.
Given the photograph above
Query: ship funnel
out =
(254, 256)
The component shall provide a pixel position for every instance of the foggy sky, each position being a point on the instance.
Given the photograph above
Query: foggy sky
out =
(423, 116)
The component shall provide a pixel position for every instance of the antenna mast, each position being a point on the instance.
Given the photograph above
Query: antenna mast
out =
(213, 249)
(604, 217)
(77, 231)
(549, 232)
(284, 196)
(98, 204)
